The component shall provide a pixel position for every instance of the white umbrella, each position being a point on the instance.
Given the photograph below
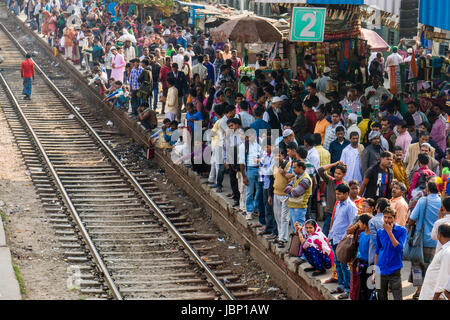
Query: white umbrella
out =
(127, 36)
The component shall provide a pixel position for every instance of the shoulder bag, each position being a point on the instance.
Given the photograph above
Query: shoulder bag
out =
(413, 250)
(347, 248)
(295, 246)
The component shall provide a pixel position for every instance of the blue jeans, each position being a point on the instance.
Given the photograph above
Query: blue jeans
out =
(155, 98)
(297, 215)
(271, 224)
(326, 223)
(253, 200)
(343, 272)
(220, 175)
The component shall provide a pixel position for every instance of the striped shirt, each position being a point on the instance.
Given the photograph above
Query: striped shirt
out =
(133, 79)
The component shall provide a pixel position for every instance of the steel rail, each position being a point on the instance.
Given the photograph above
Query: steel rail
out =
(110, 282)
(190, 250)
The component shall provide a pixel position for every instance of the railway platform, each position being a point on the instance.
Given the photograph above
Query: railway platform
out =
(290, 264)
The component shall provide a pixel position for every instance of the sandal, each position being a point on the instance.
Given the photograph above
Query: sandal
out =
(331, 280)
(318, 273)
(338, 290)
(343, 296)
(309, 269)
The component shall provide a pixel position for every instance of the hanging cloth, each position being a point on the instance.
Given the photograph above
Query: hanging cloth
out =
(392, 79)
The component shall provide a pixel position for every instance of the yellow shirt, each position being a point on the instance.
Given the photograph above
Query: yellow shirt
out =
(363, 126)
(320, 127)
(280, 182)
(215, 134)
(324, 155)
(400, 173)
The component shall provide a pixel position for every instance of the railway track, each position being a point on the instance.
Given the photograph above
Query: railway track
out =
(123, 243)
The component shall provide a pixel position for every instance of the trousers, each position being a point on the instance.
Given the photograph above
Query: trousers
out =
(342, 270)
(281, 214)
(271, 225)
(297, 215)
(394, 281)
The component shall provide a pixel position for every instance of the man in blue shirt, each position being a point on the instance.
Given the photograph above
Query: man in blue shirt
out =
(259, 123)
(428, 206)
(211, 77)
(193, 115)
(181, 40)
(338, 145)
(388, 256)
(344, 214)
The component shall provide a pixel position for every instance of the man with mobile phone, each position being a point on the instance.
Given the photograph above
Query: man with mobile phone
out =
(388, 256)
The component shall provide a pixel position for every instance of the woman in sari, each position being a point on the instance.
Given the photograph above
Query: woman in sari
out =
(45, 23)
(118, 65)
(314, 245)
(68, 43)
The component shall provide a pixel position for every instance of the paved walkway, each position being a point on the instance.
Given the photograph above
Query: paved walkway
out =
(9, 286)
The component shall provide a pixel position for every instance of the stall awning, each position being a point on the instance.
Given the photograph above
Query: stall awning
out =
(190, 4)
(391, 6)
(435, 13)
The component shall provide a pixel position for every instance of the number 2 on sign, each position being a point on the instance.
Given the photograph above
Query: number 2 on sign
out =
(312, 21)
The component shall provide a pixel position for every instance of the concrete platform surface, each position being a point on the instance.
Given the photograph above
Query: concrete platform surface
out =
(2, 235)
(9, 286)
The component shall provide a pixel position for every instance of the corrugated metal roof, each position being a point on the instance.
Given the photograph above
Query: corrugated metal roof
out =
(391, 6)
(435, 13)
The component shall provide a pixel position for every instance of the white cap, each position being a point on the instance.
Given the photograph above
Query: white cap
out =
(326, 70)
(287, 133)
(410, 50)
(276, 99)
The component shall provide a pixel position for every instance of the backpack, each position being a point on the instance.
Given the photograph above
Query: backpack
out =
(422, 183)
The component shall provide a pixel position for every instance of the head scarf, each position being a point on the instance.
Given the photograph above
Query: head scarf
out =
(316, 240)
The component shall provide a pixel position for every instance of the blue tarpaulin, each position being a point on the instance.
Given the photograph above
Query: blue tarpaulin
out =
(435, 13)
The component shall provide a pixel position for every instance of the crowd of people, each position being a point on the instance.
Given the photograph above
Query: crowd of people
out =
(370, 164)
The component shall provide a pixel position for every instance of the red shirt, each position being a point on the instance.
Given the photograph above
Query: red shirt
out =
(163, 75)
(311, 119)
(27, 69)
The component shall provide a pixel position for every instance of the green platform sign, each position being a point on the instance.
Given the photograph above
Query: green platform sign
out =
(308, 24)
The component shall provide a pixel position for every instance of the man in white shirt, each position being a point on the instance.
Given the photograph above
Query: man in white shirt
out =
(408, 60)
(438, 272)
(128, 51)
(250, 153)
(351, 157)
(313, 156)
(179, 57)
(190, 52)
(322, 82)
(246, 118)
(200, 69)
(375, 92)
(36, 13)
(394, 60)
(444, 217)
